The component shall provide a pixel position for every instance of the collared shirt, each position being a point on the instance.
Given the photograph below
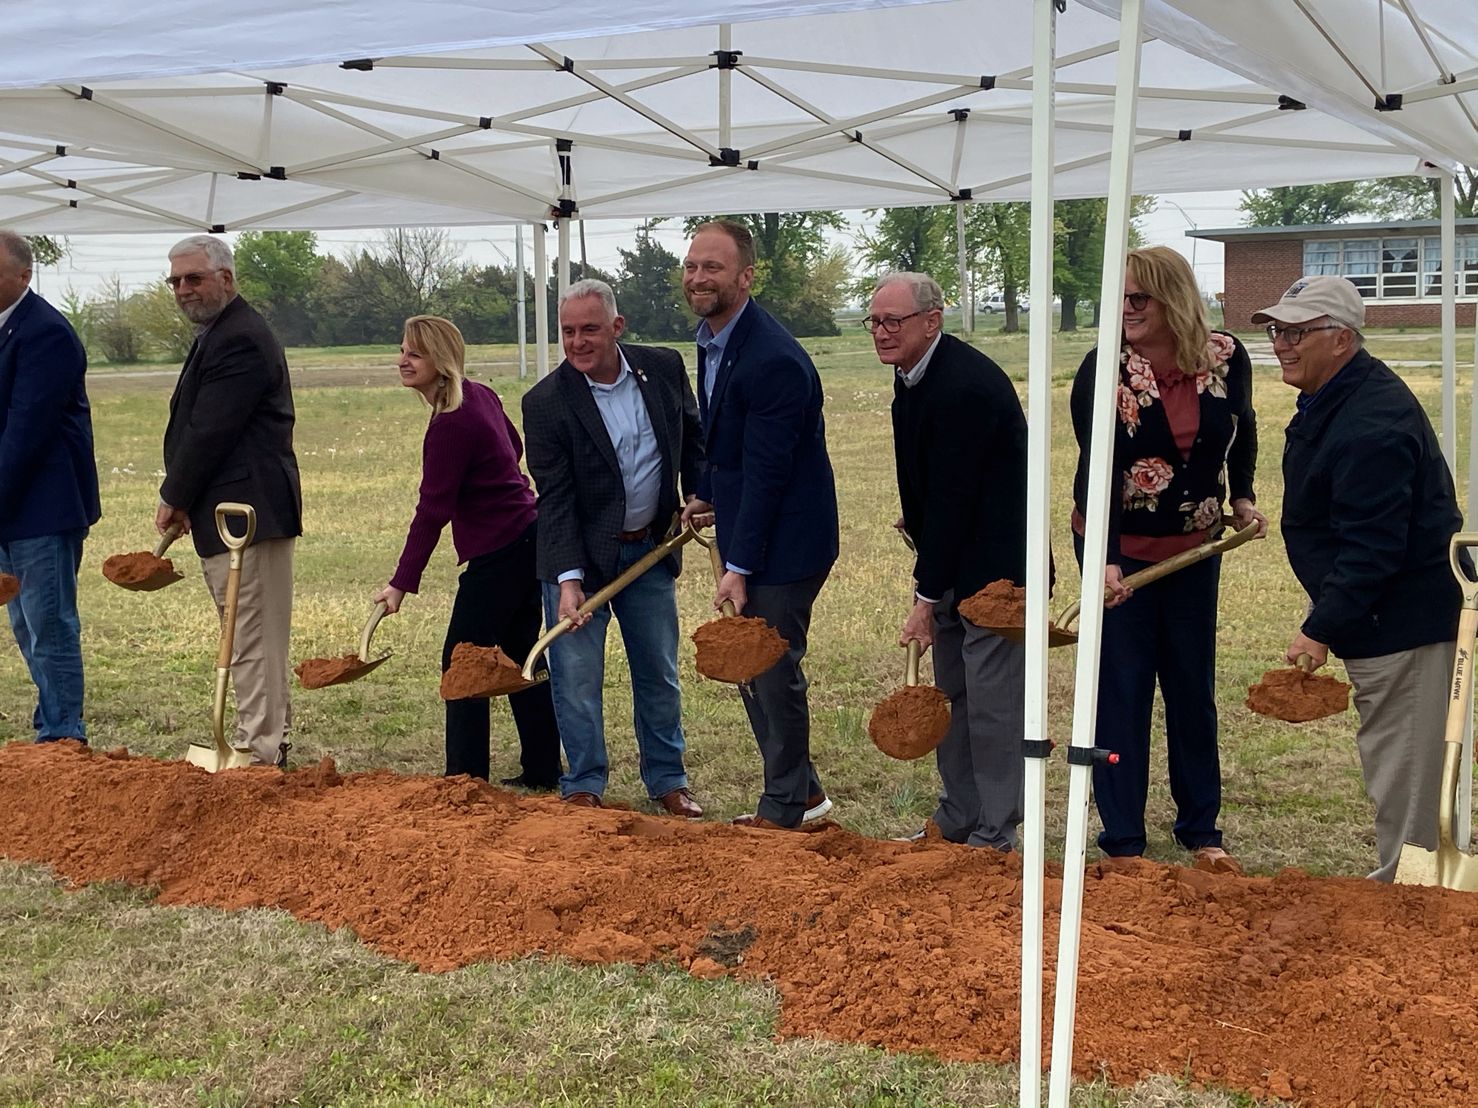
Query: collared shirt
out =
(1306, 400)
(6, 313)
(713, 349)
(913, 376)
(624, 412)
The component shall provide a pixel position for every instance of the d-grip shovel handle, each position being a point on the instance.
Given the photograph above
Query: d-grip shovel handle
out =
(171, 533)
(377, 613)
(235, 544)
(1460, 686)
(603, 596)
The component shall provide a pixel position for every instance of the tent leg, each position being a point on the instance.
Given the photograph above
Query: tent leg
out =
(967, 305)
(564, 255)
(1095, 543)
(521, 315)
(541, 302)
(1038, 554)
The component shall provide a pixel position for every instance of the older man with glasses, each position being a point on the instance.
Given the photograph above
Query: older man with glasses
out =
(1368, 509)
(959, 438)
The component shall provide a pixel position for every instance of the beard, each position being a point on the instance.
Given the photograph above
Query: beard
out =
(722, 300)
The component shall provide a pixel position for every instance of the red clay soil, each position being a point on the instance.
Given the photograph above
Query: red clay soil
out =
(10, 587)
(910, 723)
(480, 671)
(737, 648)
(1334, 992)
(999, 604)
(1295, 696)
(319, 673)
(139, 569)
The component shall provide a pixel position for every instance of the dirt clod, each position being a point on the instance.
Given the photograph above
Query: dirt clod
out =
(10, 587)
(737, 649)
(319, 673)
(1295, 696)
(999, 604)
(911, 722)
(138, 568)
(479, 671)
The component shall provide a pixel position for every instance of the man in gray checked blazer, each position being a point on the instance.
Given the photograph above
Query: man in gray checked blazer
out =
(610, 435)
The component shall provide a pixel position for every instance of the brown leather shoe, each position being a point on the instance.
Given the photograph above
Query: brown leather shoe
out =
(583, 800)
(1213, 859)
(680, 802)
(759, 823)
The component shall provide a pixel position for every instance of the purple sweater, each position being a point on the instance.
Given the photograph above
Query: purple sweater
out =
(470, 476)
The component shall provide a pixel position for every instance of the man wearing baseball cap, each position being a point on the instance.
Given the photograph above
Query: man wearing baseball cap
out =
(1368, 509)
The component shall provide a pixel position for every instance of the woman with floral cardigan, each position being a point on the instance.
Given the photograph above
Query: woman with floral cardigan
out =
(1185, 432)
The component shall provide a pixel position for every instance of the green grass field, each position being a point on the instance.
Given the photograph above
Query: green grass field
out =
(109, 1000)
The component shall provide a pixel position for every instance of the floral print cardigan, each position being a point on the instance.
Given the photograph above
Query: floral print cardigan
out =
(1161, 491)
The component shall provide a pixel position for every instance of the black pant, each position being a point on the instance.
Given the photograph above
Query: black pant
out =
(776, 702)
(498, 604)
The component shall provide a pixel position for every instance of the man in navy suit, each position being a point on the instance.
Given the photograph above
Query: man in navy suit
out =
(769, 480)
(48, 489)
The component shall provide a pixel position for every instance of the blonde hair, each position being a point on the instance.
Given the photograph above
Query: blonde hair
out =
(1168, 277)
(439, 341)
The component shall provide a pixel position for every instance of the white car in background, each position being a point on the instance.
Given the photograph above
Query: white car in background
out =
(996, 304)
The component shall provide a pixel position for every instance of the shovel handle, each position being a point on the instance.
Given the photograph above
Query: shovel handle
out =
(236, 545)
(717, 563)
(667, 546)
(1305, 662)
(911, 674)
(377, 613)
(171, 533)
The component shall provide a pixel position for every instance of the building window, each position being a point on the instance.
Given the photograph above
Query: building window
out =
(1403, 268)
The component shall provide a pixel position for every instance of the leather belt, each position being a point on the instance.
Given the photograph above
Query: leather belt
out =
(634, 536)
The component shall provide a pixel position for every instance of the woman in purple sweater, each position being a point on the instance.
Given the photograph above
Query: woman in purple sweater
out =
(470, 476)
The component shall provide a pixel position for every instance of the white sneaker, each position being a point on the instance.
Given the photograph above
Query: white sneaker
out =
(917, 837)
(817, 810)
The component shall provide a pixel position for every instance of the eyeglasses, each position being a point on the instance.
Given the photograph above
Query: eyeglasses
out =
(1294, 335)
(190, 280)
(891, 324)
(1137, 300)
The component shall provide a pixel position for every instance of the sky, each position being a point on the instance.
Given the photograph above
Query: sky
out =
(138, 260)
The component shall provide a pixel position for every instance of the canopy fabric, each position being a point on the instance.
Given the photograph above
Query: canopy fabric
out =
(914, 104)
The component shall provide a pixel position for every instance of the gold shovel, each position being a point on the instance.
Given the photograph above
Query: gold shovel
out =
(220, 755)
(320, 673)
(159, 574)
(670, 545)
(1450, 866)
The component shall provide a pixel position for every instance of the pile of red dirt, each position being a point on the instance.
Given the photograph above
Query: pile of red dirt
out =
(139, 568)
(10, 587)
(1296, 696)
(999, 604)
(479, 671)
(737, 649)
(910, 723)
(1331, 991)
(319, 673)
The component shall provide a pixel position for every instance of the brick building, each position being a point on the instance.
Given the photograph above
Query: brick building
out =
(1396, 265)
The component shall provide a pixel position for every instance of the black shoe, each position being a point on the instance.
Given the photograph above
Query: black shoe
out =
(281, 760)
(522, 782)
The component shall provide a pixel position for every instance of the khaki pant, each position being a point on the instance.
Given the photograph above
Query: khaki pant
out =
(259, 659)
(1402, 701)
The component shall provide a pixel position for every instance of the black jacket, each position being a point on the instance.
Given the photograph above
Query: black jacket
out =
(230, 432)
(959, 438)
(582, 501)
(1368, 509)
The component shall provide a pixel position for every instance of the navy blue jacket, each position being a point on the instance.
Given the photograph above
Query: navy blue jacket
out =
(48, 477)
(767, 473)
(1368, 509)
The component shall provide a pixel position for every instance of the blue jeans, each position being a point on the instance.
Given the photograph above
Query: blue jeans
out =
(647, 612)
(47, 629)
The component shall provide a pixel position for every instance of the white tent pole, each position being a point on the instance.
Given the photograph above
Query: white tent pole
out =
(967, 314)
(1464, 813)
(523, 325)
(541, 302)
(1095, 542)
(1038, 552)
(725, 89)
(563, 225)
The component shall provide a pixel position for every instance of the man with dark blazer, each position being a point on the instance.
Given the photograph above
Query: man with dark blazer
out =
(769, 480)
(48, 489)
(609, 436)
(959, 437)
(230, 437)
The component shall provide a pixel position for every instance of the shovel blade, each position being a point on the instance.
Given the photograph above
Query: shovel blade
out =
(1055, 635)
(213, 758)
(152, 583)
(1446, 867)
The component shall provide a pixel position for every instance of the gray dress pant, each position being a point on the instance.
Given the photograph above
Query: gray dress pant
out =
(1402, 701)
(981, 768)
(776, 702)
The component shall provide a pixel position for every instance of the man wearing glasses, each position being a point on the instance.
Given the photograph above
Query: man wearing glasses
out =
(230, 437)
(1368, 509)
(959, 438)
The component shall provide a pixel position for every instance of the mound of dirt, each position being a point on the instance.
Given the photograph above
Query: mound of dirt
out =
(911, 722)
(1295, 696)
(139, 568)
(319, 673)
(999, 604)
(737, 649)
(1330, 992)
(10, 587)
(480, 671)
